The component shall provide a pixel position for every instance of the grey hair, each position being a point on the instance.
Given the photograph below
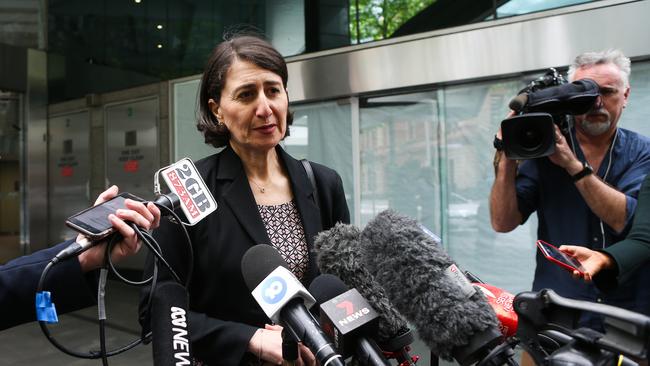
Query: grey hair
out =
(611, 56)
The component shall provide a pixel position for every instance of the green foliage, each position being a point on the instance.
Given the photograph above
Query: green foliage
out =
(378, 19)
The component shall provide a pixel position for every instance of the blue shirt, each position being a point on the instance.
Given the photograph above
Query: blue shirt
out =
(565, 218)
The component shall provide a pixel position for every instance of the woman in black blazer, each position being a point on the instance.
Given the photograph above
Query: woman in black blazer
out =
(264, 196)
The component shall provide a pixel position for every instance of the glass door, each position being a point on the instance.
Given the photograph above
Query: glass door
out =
(11, 133)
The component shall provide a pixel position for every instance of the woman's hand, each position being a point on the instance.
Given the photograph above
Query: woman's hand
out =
(147, 217)
(267, 345)
(592, 261)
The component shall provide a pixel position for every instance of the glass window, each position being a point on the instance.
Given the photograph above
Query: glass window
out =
(473, 113)
(635, 116)
(372, 20)
(518, 7)
(21, 23)
(102, 46)
(399, 146)
(322, 132)
(188, 141)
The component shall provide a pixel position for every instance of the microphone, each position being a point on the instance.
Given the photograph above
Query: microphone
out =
(518, 103)
(187, 191)
(453, 321)
(284, 300)
(170, 338)
(348, 319)
(169, 302)
(337, 252)
(289, 349)
(573, 98)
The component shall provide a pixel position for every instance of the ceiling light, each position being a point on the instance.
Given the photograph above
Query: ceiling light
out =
(159, 26)
(159, 45)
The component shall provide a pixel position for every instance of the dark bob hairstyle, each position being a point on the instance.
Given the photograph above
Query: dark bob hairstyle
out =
(245, 48)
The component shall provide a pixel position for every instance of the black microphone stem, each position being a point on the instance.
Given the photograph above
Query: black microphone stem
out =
(289, 349)
(434, 360)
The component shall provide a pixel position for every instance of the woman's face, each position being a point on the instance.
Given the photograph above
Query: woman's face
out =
(253, 106)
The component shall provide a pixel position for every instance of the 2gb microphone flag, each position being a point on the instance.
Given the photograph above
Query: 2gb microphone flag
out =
(184, 180)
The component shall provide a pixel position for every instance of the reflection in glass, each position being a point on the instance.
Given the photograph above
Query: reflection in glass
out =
(473, 114)
(321, 132)
(399, 147)
(372, 20)
(519, 7)
(188, 141)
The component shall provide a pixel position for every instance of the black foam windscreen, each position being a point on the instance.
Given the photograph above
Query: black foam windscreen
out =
(258, 262)
(326, 287)
(411, 267)
(337, 252)
(519, 102)
(171, 341)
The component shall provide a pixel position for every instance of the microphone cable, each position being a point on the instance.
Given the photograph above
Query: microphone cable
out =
(108, 265)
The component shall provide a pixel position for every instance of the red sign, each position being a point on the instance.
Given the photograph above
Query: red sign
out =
(131, 166)
(186, 200)
(67, 171)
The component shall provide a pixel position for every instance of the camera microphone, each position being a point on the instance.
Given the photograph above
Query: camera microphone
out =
(519, 102)
(573, 98)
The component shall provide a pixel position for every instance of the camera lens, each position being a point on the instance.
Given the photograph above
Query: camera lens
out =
(530, 137)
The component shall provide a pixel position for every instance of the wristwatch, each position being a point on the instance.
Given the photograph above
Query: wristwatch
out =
(497, 143)
(586, 170)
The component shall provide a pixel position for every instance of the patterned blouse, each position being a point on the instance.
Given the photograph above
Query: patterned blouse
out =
(287, 235)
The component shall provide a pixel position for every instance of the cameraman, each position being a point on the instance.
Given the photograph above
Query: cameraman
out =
(586, 191)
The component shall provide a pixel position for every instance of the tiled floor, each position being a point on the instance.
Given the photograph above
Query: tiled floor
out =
(26, 345)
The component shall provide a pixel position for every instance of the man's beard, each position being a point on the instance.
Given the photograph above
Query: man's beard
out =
(596, 128)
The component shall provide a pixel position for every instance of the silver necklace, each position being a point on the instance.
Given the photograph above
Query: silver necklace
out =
(259, 187)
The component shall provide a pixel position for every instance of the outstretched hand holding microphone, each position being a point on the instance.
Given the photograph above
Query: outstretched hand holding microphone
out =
(146, 217)
(20, 276)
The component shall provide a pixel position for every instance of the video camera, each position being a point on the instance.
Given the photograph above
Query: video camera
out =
(546, 101)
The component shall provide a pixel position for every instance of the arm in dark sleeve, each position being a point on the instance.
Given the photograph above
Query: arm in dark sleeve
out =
(214, 341)
(333, 206)
(634, 251)
(340, 211)
(527, 184)
(71, 289)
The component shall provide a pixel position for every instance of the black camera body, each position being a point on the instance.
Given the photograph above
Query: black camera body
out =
(545, 102)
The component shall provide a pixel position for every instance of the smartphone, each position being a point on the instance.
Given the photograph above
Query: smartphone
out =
(93, 221)
(554, 255)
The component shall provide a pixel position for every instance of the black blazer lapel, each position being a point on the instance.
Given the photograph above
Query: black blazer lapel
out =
(303, 194)
(239, 198)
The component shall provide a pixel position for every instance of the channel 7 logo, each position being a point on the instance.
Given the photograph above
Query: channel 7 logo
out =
(274, 289)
